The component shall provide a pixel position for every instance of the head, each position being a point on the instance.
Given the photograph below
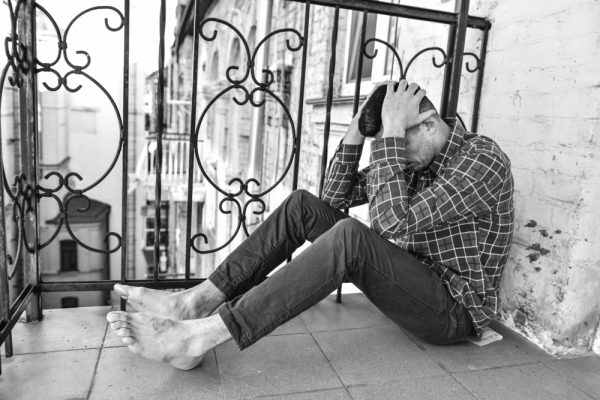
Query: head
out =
(423, 142)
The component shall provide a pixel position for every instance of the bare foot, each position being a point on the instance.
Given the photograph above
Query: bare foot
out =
(182, 344)
(197, 302)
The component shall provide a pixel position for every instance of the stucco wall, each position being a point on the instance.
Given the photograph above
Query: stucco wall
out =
(541, 102)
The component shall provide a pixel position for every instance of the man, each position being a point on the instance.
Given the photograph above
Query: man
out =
(443, 196)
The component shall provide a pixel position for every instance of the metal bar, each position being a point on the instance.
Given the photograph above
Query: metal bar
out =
(4, 295)
(17, 308)
(125, 138)
(29, 161)
(398, 10)
(334, 33)
(363, 33)
(301, 97)
(160, 93)
(193, 143)
(85, 286)
(458, 47)
(479, 84)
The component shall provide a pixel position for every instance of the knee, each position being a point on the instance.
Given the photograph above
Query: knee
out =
(348, 227)
(300, 196)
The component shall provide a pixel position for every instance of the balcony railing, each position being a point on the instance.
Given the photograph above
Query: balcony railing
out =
(176, 160)
(176, 152)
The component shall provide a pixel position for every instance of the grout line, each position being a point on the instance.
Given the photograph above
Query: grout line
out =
(97, 362)
(263, 396)
(463, 386)
(329, 362)
(218, 372)
(53, 351)
(566, 378)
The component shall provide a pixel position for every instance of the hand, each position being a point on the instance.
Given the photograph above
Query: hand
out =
(353, 135)
(400, 110)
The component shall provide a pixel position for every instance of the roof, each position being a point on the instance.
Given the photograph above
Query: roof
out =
(95, 211)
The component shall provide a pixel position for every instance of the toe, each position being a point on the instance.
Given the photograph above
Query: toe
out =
(115, 316)
(133, 346)
(118, 325)
(122, 290)
(124, 333)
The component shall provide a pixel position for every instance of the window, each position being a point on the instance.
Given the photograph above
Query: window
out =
(373, 70)
(354, 46)
(68, 255)
(69, 302)
(149, 235)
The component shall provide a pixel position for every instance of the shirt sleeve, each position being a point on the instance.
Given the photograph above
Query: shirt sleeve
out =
(345, 185)
(469, 185)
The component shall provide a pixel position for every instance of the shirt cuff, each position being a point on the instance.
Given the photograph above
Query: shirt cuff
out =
(388, 149)
(348, 154)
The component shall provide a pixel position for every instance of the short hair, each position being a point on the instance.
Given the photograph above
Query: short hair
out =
(369, 122)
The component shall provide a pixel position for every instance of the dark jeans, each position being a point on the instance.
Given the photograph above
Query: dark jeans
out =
(402, 287)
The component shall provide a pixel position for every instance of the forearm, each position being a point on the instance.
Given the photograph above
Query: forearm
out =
(387, 188)
(344, 184)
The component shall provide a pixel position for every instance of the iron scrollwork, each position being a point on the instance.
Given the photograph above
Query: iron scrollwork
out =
(23, 193)
(246, 96)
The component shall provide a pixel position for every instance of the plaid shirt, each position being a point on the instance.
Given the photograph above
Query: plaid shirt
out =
(456, 216)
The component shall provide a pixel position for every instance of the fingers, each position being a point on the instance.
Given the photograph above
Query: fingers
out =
(424, 115)
(412, 88)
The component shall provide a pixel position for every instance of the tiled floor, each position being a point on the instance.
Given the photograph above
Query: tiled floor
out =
(333, 351)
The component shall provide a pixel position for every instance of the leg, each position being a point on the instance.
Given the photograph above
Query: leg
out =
(403, 288)
(301, 217)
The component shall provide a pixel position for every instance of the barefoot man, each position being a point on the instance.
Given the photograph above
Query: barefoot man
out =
(441, 213)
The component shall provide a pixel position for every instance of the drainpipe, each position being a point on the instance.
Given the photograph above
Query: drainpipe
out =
(263, 27)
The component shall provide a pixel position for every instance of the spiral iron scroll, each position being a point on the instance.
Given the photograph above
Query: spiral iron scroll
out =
(23, 193)
(243, 96)
(438, 64)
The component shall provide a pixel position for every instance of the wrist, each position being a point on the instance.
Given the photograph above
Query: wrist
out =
(353, 136)
(394, 130)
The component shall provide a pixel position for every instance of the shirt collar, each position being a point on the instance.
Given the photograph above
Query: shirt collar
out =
(455, 140)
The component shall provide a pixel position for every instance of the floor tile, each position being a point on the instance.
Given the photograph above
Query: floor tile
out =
(332, 394)
(123, 375)
(467, 356)
(355, 311)
(57, 375)
(583, 372)
(520, 342)
(291, 327)
(61, 329)
(374, 355)
(274, 365)
(437, 388)
(523, 382)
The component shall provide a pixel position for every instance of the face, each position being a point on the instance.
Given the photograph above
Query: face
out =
(423, 143)
(421, 146)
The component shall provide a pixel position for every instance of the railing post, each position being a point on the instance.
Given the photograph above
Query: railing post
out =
(4, 296)
(456, 48)
(29, 157)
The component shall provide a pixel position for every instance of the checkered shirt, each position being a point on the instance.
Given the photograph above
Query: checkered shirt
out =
(456, 216)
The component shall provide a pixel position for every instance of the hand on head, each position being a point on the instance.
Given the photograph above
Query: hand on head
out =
(400, 108)
(395, 105)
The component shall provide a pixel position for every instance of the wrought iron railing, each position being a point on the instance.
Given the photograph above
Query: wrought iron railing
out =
(248, 84)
